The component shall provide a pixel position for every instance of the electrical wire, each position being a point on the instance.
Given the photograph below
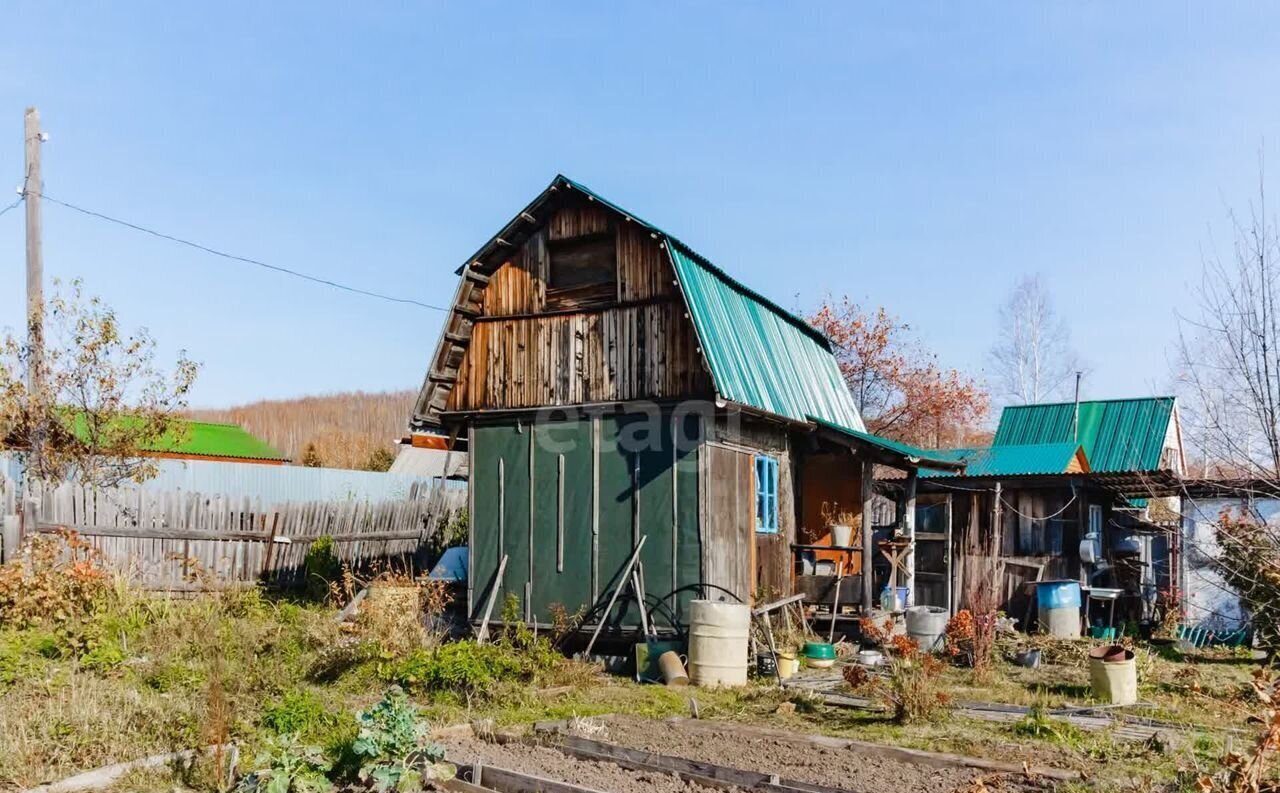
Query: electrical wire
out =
(14, 205)
(236, 258)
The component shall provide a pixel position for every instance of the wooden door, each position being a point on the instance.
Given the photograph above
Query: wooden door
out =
(730, 516)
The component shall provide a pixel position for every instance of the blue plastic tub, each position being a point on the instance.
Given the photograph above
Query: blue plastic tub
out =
(1058, 594)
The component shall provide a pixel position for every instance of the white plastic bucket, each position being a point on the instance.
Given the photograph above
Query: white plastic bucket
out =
(718, 637)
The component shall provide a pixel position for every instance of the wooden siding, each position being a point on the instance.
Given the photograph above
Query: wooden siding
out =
(768, 555)
(519, 285)
(728, 496)
(520, 353)
(636, 352)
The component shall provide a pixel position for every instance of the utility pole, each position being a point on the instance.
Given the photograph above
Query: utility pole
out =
(32, 192)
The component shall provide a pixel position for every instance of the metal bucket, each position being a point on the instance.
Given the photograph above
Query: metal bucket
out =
(1114, 681)
(927, 625)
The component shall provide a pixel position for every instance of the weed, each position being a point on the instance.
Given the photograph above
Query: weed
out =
(322, 567)
(286, 765)
(1039, 725)
(913, 688)
(393, 747)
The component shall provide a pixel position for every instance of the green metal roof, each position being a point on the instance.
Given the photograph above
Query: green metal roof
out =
(202, 439)
(912, 454)
(1118, 435)
(1028, 460)
(758, 355)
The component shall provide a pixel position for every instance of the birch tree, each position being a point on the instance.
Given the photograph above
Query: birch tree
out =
(1032, 359)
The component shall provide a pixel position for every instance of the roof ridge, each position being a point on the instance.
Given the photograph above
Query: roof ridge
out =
(707, 263)
(1089, 401)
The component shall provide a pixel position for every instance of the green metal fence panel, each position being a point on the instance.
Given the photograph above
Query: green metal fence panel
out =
(562, 475)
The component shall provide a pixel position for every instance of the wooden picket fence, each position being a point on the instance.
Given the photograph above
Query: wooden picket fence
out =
(183, 541)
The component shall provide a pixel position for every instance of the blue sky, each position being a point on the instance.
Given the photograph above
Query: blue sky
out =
(923, 161)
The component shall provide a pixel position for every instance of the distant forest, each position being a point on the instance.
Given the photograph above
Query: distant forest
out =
(347, 430)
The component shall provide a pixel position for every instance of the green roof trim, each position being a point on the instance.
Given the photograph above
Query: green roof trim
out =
(914, 456)
(203, 439)
(1118, 435)
(1028, 460)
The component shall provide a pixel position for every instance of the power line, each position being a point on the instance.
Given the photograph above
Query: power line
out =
(234, 257)
(14, 205)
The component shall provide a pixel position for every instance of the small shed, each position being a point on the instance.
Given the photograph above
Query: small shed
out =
(613, 386)
(1058, 477)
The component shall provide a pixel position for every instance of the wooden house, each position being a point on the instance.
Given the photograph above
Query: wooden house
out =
(1058, 480)
(614, 387)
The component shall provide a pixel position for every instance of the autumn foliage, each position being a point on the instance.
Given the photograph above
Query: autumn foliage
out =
(898, 387)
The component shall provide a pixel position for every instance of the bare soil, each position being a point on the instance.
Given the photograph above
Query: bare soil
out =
(553, 764)
(801, 761)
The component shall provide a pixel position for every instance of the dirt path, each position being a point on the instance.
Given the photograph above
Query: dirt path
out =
(801, 761)
(551, 763)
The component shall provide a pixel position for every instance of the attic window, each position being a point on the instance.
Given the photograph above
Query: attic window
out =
(583, 271)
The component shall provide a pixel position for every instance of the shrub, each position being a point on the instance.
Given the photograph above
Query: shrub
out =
(56, 579)
(912, 688)
(302, 713)
(464, 668)
(322, 567)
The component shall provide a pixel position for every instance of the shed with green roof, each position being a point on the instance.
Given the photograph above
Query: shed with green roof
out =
(614, 385)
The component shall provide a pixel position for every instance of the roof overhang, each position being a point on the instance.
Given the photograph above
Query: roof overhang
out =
(881, 450)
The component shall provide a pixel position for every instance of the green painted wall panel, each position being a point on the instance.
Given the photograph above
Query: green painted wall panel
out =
(617, 537)
(484, 520)
(688, 542)
(569, 584)
(502, 512)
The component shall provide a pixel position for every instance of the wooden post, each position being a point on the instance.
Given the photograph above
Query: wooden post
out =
(909, 529)
(32, 192)
(868, 471)
(948, 559)
(996, 547)
(483, 633)
(622, 582)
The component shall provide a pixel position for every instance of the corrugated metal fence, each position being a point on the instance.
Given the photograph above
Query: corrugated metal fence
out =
(179, 540)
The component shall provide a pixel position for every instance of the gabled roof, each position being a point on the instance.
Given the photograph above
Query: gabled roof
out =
(760, 355)
(1028, 460)
(1118, 435)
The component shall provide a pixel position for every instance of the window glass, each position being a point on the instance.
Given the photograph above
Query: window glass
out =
(766, 494)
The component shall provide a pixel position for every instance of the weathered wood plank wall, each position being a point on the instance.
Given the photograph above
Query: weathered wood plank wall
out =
(523, 352)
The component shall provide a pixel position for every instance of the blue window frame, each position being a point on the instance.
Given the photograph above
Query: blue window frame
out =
(766, 494)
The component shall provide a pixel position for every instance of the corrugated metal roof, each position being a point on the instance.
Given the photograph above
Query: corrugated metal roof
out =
(1118, 435)
(912, 455)
(1027, 460)
(757, 355)
(412, 461)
